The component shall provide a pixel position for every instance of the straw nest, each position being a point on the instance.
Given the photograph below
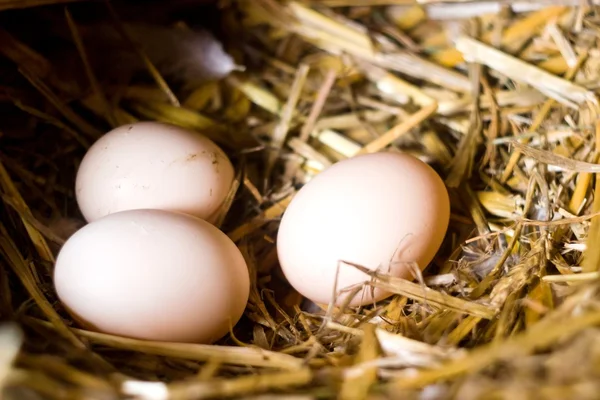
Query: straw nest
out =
(500, 100)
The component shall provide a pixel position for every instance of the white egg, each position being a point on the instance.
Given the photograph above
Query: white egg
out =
(153, 165)
(153, 274)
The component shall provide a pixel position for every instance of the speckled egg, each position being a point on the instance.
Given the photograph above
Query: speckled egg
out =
(153, 165)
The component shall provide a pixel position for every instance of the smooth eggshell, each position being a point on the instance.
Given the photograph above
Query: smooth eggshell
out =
(153, 274)
(153, 165)
(379, 210)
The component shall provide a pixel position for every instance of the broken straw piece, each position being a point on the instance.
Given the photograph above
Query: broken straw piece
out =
(337, 142)
(558, 88)
(341, 36)
(563, 44)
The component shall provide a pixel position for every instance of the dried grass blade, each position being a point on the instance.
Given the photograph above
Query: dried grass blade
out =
(518, 32)
(183, 117)
(66, 111)
(402, 128)
(56, 367)
(453, 10)
(391, 84)
(541, 295)
(520, 71)
(226, 206)
(53, 121)
(282, 128)
(250, 187)
(27, 217)
(516, 155)
(556, 160)
(20, 4)
(307, 151)
(23, 55)
(37, 382)
(426, 295)
(462, 164)
(88, 68)
(361, 377)
(352, 119)
(475, 209)
(6, 296)
(154, 73)
(269, 214)
(23, 271)
(351, 38)
(243, 385)
(38, 240)
(317, 107)
(412, 65)
(540, 335)
(578, 197)
(564, 46)
(398, 345)
(591, 257)
(581, 277)
(359, 3)
(463, 329)
(257, 95)
(121, 116)
(338, 142)
(244, 356)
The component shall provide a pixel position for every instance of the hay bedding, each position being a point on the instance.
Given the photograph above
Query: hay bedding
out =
(500, 100)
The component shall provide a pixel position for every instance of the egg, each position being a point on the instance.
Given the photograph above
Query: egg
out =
(155, 275)
(153, 165)
(384, 211)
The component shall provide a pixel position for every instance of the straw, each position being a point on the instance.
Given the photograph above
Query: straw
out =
(502, 105)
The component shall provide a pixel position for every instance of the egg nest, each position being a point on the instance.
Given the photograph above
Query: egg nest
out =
(501, 101)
